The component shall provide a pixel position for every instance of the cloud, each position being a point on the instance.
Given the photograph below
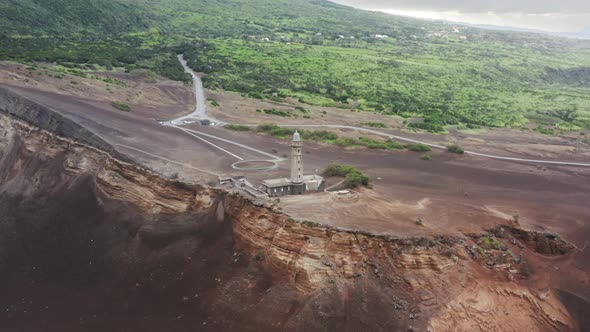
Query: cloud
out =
(478, 6)
(552, 15)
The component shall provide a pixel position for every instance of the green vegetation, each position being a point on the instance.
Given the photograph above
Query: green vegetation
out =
(455, 149)
(319, 53)
(489, 242)
(353, 177)
(418, 147)
(276, 131)
(426, 156)
(236, 127)
(544, 131)
(329, 137)
(276, 112)
(374, 124)
(121, 106)
(213, 102)
(302, 110)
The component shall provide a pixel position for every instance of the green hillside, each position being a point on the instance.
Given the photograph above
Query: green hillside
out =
(319, 52)
(66, 17)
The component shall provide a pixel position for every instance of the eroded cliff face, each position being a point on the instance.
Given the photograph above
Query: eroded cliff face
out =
(89, 242)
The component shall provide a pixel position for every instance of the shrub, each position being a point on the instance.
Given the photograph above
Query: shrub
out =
(255, 95)
(384, 145)
(273, 111)
(428, 126)
(455, 149)
(319, 135)
(236, 127)
(374, 124)
(121, 106)
(418, 147)
(356, 179)
(544, 131)
(213, 102)
(346, 142)
(301, 109)
(274, 130)
(353, 177)
(339, 170)
(426, 156)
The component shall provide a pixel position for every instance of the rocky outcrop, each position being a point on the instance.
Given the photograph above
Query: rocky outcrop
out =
(501, 308)
(314, 256)
(543, 243)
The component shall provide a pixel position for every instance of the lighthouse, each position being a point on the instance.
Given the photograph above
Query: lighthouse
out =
(298, 185)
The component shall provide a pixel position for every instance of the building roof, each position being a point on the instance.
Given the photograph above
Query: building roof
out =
(273, 183)
(313, 177)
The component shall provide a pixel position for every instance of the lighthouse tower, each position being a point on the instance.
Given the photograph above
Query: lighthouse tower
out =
(297, 184)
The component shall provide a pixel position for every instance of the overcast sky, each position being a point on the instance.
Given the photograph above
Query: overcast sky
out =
(550, 15)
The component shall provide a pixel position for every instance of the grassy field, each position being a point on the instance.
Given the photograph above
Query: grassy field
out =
(437, 75)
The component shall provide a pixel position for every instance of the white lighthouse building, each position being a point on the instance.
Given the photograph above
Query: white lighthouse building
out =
(298, 183)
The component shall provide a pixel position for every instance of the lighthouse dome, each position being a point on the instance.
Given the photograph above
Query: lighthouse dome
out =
(296, 137)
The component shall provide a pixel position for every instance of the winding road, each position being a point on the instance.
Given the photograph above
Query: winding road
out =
(200, 113)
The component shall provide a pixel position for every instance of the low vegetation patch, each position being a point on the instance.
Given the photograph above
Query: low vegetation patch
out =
(302, 110)
(426, 156)
(455, 149)
(353, 177)
(418, 147)
(374, 124)
(276, 112)
(237, 127)
(121, 106)
(274, 130)
(489, 242)
(544, 131)
(433, 127)
(329, 137)
(213, 102)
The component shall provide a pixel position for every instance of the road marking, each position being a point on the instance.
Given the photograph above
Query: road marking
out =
(166, 159)
(274, 158)
(213, 145)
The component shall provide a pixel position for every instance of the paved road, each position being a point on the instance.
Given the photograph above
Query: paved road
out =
(200, 113)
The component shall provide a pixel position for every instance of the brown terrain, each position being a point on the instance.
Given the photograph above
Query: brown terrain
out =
(108, 224)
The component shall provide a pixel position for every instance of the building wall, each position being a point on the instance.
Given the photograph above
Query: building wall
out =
(296, 163)
(278, 191)
(298, 189)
